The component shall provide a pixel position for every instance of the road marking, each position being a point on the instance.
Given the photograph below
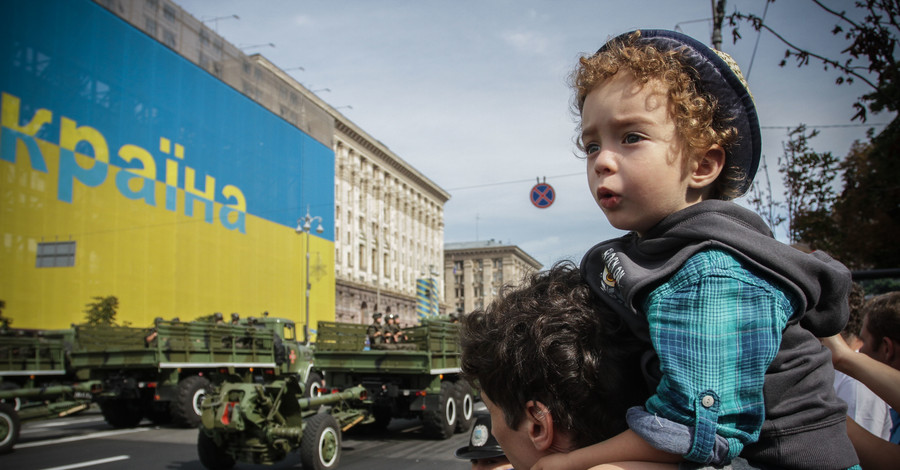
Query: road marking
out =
(50, 424)
(79, 438)
(412, 429)
(92, 462)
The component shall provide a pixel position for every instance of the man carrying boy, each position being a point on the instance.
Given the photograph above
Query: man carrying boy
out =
(556, 369)
(729, 315)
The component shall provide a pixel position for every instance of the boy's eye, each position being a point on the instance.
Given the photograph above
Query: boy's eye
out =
(632, 138)
(591, 148)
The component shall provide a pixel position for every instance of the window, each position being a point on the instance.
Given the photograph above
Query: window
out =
(150, 26)
(168, 38)
(169, 12)
(55, 255)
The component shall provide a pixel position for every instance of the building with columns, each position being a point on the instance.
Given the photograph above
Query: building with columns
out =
(389, 228)
(474, 272)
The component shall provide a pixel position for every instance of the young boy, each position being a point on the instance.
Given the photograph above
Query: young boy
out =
(729, 315)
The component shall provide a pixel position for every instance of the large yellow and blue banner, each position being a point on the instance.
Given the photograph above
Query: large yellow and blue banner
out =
(127, 170)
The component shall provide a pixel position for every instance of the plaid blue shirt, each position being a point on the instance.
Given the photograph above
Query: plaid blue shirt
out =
(716, 328)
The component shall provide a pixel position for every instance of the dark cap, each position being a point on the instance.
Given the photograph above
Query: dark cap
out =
(391, 316)
(482, 444)
(376, 315)
(235, 317)
(718, 75)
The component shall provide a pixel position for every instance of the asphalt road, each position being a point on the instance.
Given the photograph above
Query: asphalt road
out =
(86, 441)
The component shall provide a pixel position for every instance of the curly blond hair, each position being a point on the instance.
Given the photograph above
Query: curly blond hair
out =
(694, 113)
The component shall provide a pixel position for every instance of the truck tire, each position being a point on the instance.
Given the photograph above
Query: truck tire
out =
(466, 410)
(320, 446)
(122, 412)
(188, 398)
(211, 455)
(440, 422)
(313, 388)
(9, 428)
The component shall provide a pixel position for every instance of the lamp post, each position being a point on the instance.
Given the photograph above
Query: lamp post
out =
(303, 226)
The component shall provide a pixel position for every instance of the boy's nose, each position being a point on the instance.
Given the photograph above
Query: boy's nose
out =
(603, 163)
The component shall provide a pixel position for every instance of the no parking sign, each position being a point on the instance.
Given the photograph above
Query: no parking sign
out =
(542, 195)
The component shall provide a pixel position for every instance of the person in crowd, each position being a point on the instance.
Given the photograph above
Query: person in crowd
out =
(729, 316)
(863, 406)
(555, 368)
(874, 453)
(483, 450)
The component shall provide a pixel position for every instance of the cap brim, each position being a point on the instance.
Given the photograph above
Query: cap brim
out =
(469, 454)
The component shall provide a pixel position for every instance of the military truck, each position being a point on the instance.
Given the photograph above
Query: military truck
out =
(161, 372)
(36, 380)
(420, 382)
(164, 372)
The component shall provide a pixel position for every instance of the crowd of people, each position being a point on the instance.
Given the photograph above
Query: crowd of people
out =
(697, 340)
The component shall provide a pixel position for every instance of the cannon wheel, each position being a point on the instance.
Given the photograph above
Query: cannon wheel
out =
(9, 427)
(188, 398)
(122, 412)
(441, 420)
(466, 403)
(211, 455)
(320, 447)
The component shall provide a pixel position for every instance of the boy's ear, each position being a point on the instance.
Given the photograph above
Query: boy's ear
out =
(708, 167)
(539, 424)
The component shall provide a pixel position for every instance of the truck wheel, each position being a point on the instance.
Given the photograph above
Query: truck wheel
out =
(320, 447)
(466, 402)
(211, 455)
(122, 412)
(188, 398)
(313, 387)
(441, 421)
(9, 428)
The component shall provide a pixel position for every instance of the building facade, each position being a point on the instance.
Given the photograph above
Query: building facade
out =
(153, 160)
(474, 272)
(389, 222)
(388, 217)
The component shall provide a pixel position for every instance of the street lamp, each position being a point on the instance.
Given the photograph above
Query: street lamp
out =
(303, 226)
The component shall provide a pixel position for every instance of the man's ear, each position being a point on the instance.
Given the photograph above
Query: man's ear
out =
(707, 168)
(540, 425)
(889, 350)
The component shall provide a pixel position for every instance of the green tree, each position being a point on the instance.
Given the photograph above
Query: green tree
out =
(102, 311)
(857, 224)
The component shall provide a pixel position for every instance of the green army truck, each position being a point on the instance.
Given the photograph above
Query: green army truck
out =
(422, 381)
(36, 380)
(164, 372)
(161, 373)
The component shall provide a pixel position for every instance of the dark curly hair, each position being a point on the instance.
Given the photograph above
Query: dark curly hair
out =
(550, 340)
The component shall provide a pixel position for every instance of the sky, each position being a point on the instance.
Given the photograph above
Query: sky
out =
(474, 94)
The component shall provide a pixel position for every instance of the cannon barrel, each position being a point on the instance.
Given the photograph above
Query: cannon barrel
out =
(47, 392)
(354, 393)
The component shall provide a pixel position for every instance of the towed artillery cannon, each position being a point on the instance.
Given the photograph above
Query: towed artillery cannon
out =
(261, 423)
(24, 404)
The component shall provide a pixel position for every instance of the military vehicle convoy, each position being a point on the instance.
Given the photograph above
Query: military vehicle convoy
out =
(423, 382)
(260, 421)
(161, 373)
